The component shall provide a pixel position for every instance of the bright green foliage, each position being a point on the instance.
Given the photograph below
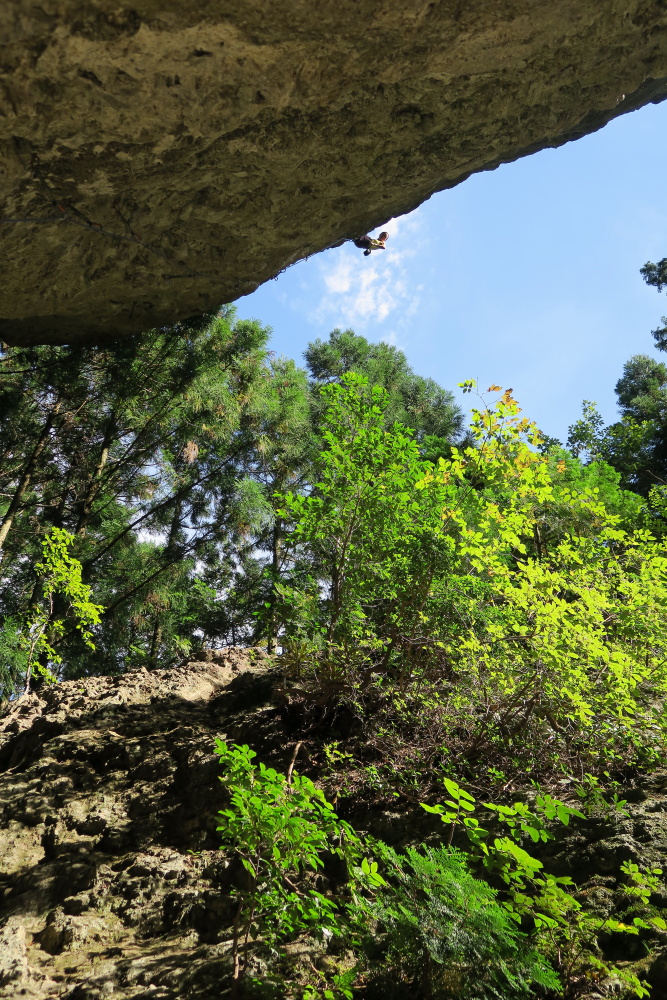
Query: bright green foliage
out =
(162, 454)
(281, 459)
(459, 806)
(423, 922)
(340, 987)
(446, 935)
(636, 445)
(564, 930)
(568, 935)
(418, 403)
(586, 434)
(434, 922)
(598, 803)
(502, 853)
(527, 589)
(66, 599)
(280, 827)
(577, 628)
(642, 884)
(374, 543)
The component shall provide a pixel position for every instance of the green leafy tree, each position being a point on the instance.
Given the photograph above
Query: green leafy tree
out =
(418, 403)
(585, 436)
(375, 540)
(655, 274)
(498, 574)
(636, 445)
(283, 458)
(138, 450)
(63, 602)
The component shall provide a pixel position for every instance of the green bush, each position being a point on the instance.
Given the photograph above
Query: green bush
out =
(419, 923)
(445, 935)
(523, 596)
(280, 826)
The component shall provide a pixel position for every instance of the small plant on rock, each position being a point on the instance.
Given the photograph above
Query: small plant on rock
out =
(563, 930)
(280, 826)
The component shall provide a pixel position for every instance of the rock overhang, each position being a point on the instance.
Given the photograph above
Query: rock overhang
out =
(160, 159)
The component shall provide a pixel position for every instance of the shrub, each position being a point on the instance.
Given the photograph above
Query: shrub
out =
(445, 935)
(280, 826)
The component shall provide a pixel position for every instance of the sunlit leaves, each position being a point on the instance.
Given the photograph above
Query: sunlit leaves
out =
(539, 584)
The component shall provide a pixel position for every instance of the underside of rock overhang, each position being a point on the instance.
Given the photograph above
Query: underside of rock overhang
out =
(160, 159)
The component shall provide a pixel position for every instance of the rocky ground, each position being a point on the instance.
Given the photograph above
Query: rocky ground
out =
(111, 883)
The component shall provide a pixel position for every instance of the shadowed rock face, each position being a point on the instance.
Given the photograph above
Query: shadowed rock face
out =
(164, 157)
(107, 787)
(111, 878)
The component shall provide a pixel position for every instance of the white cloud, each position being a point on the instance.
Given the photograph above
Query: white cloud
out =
(362, 291)
(339, 279)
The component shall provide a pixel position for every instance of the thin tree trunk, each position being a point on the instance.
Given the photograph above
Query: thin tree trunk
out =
(155, 642)
(26, 476)
(94, 487)
(236, 975)
(57, 520)
(275, 570)
(173, 529)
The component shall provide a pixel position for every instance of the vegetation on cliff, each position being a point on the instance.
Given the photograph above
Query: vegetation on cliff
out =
(468, 620)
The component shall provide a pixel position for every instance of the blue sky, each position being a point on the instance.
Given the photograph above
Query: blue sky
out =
(526, 276)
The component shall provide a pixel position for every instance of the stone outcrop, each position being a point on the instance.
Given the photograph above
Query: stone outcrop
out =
(111, 881)
(160, 158)
(110, 877)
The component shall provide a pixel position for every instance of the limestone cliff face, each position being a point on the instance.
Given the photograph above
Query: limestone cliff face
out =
(111, 880)
(163, 157)
(107, 787)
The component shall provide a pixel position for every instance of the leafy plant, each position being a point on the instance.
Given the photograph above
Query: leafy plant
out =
(60, 578)
(375, 546)
(596, 801)
(280, 826)
(527, 593)
(339, 987)
(639, 885)
(443, 933)
(564, 931)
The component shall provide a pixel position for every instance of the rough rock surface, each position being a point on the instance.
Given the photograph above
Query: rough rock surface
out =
(159, 158)
(106, 785)
(111, 883)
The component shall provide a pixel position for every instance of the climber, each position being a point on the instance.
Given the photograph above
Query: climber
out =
(368, 243)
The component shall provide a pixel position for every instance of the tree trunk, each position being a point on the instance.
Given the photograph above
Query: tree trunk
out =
(155, 642)
(26, 476)
(95, 484)
(275, 571)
